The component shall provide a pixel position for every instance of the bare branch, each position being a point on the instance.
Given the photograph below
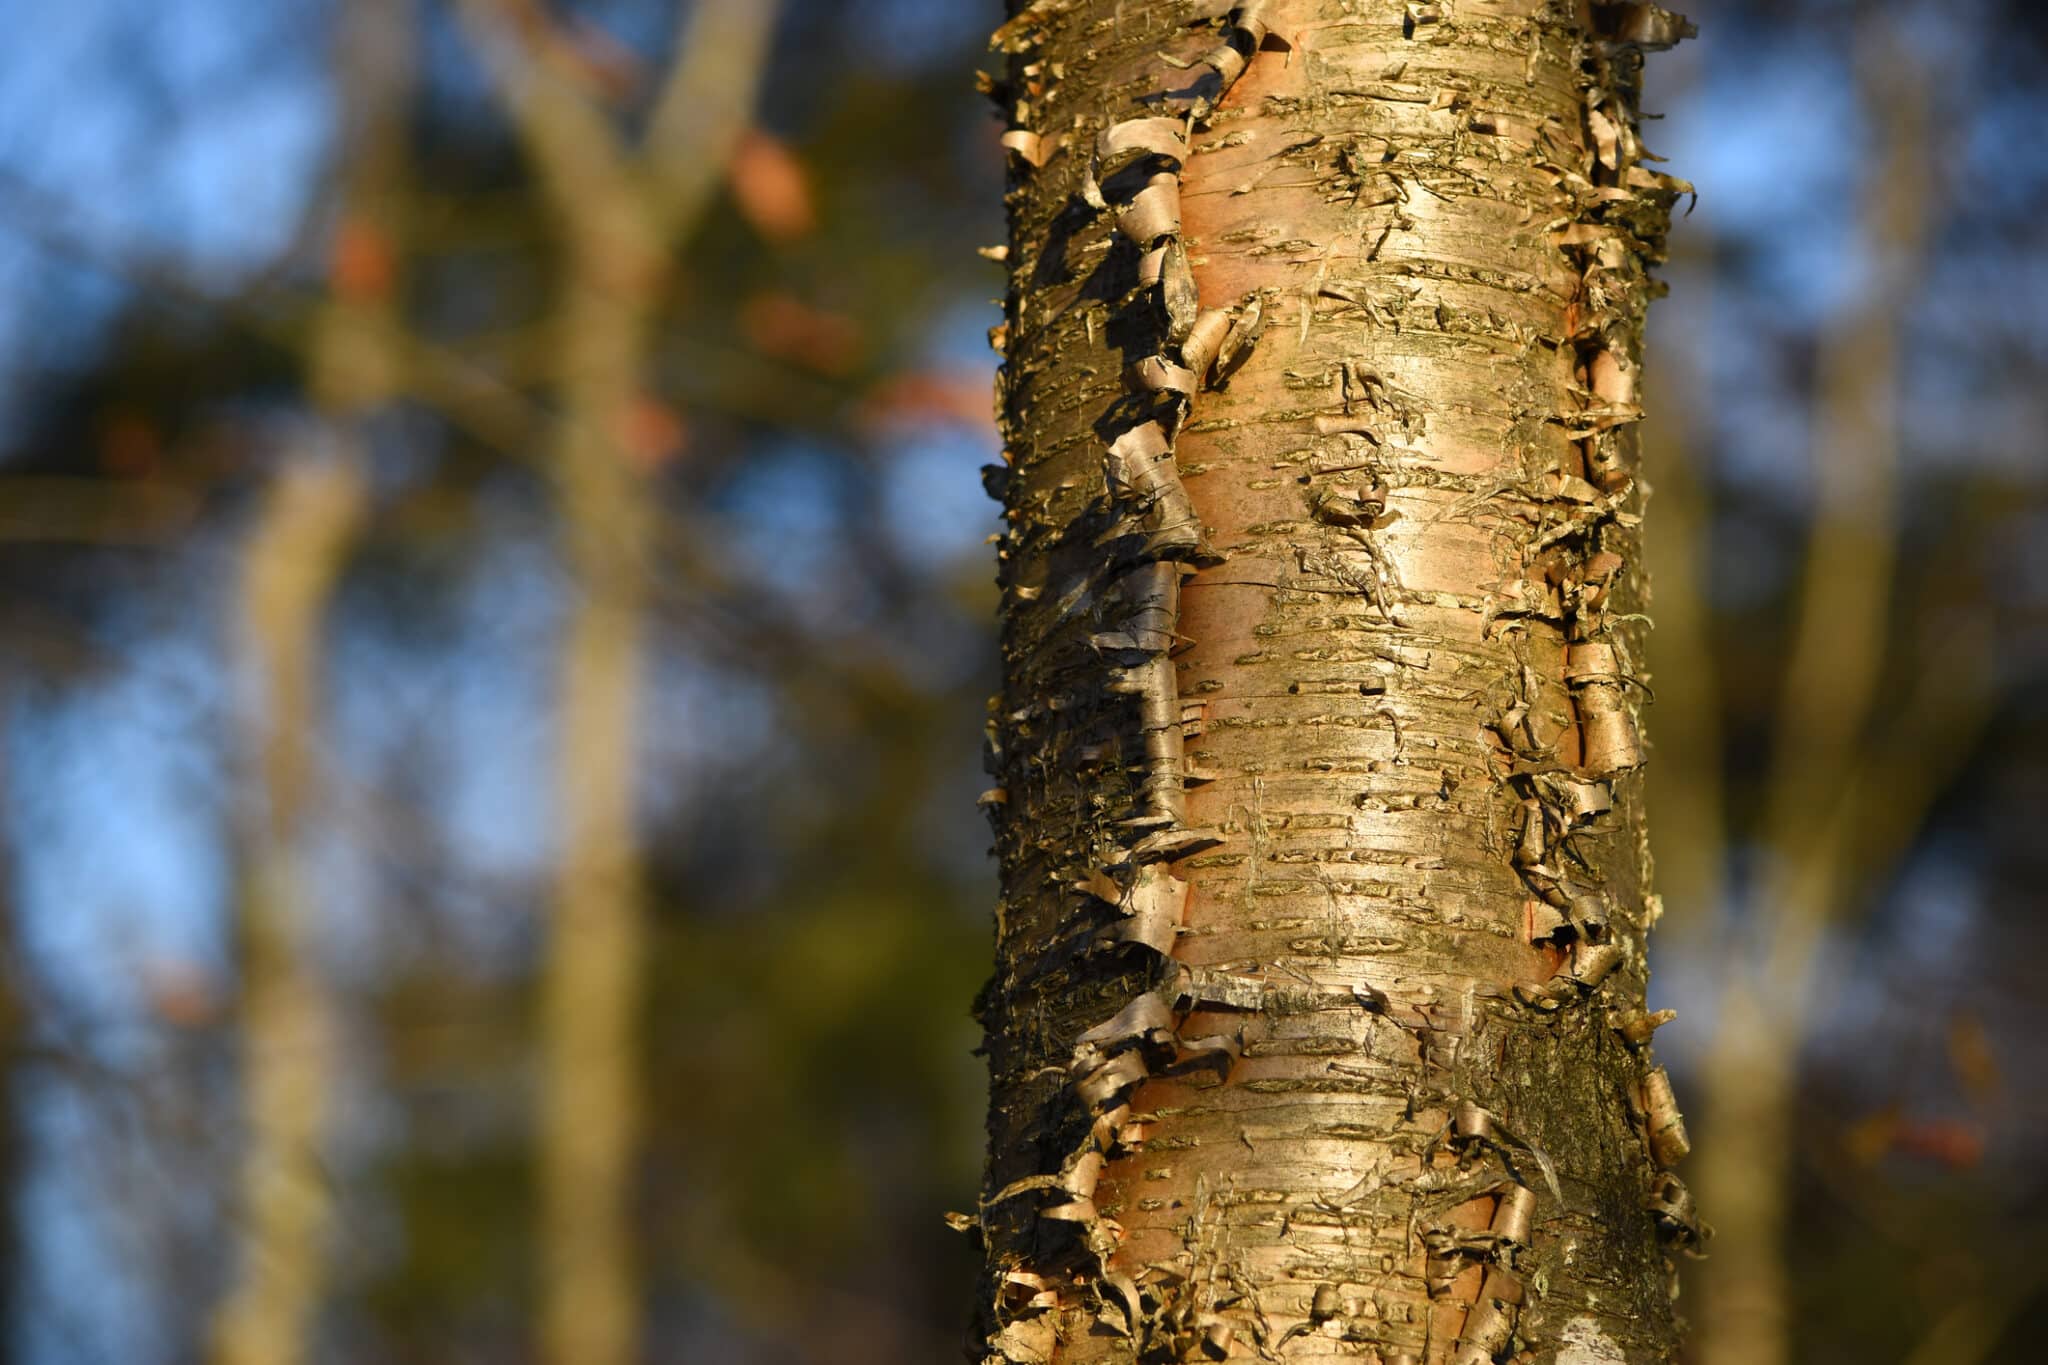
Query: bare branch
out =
(704, 106)
(580, 158)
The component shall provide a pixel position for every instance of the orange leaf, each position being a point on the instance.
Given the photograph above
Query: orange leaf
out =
(1954, 1144)
(771, 187)
(782, 325)
(361, 267)
(651, 433)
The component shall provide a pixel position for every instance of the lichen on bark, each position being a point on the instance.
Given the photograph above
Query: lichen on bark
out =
(1317, 1029)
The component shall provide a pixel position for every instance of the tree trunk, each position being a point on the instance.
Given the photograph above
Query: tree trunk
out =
(1317, 1030)
(593, 984)
(288, 1011)
(310, 518)
(623, 209)
(1828, 808)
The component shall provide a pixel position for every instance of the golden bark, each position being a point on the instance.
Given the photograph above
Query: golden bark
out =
(1317, 1031)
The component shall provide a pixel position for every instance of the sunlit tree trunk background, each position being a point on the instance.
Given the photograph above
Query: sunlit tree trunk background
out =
(1852, 768)
(622, 213)
(297, 550)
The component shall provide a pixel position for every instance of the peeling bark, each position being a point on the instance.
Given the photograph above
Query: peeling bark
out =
(1317, 1029)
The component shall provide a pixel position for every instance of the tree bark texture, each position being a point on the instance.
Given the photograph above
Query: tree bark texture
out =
(1317, 1030)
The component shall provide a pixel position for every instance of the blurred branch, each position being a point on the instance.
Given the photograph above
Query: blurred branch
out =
(598, 182)
(474, 400)
(705, 105)
(687, 548)
(1831, 693)
(580, 158)
(288, 1024)
(482, 400)
(1941, 720)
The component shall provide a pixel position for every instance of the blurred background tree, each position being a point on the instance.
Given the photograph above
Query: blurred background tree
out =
(238, 258)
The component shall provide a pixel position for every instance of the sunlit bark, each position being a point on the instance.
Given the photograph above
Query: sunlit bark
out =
(1317, 1030)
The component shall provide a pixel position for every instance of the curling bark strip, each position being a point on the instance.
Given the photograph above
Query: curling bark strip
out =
(1317, 1026)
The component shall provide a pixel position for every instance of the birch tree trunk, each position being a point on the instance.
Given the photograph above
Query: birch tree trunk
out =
(592, 989)
(623, 209)
(311, 515)
(1317, 1030)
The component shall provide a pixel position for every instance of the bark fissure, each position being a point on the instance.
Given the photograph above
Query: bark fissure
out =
(1317, 1029)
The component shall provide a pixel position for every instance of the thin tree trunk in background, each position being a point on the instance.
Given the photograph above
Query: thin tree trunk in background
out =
(287, 1017)
(1317, 1029)
(592, 990)
(1684, 782)
(310, 517)
(1825, 790)
(621, 217)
